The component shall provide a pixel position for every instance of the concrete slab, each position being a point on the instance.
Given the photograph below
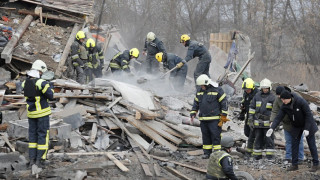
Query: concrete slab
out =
(75, 140)
(12, 161)
(174, 103)
(75, 120)
(19, 129)
(67, 112)
(10, 115)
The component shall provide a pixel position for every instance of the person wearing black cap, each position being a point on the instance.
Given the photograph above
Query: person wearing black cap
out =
(302, 122)
(286, 126)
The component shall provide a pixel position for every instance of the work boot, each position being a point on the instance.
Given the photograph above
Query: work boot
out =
(205, 156)
(293, 168)
(31, 162)
(300, 161)
(41, 163)
(314, 168)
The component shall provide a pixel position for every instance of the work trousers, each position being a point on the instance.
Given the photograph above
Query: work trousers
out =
(202, 66)
(251, 139)
(262, 141)
(38, 137)
(152, 65)
(80, 74)
(288, 139)
(312, 147)
(178, 80)
(211, 135)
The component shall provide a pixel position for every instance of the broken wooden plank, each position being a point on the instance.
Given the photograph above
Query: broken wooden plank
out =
(8, 143)
(114, 102)
(61, 95)
(50, 16)
(64, 83)
(144, 144)
(110, 124)
(151, 133)
(117, 162)
(163, 133)
(93, 133)
(176, 173)
(181, 130)
(8, 49)
(169, 130)
(66, 50)
(2, 91)
(106, 130)
(156, 168)
(180, 164)
(195, 152)
(147, 114)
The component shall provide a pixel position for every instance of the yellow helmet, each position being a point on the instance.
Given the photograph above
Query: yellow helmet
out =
(90, 43)
(184, 37)
(248, 84)
(151, 36)
(80, 35)
(159, 56)
(134, 52)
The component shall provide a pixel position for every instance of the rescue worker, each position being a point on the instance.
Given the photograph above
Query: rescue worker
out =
(120, 62)
(259, 120)
(249, 92)
(178, 76)
(287, 126)
(220, 164)
(37, 93)
(302, 122)
(95, 62)
(211, 102)
(196, 49)
(79, 56)
(152, 46)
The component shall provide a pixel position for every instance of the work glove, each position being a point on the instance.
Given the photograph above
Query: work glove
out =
(306, 133)
(223, 119)
(192, 115)
(269, 132)
(180, 64)
(241, 116)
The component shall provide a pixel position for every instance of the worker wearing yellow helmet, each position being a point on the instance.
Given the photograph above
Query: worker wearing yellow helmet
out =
(177, 76)
(95, 61)
(120, 62)
(152, 46)
(196, 49)
(78, 55)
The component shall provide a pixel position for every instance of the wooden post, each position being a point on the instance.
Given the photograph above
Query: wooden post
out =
(8, 49)
(250, 57)
(66, 50)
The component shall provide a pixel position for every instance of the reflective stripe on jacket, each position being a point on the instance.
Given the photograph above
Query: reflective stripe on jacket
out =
(121, 61)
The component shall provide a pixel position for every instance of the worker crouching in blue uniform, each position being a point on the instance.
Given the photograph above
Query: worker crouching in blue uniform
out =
(37, 93)
(211, 102)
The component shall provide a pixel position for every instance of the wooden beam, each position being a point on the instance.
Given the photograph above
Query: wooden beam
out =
(8, 143)
(8, 49)
(117, 162)
(66, 50)
(250, 57)
(93, 133)
(176, 173)
(147, 114)
(60, 95)
(163, 133)
(50, 16)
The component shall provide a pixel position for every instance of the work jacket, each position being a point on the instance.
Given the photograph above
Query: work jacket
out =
(95, 57)
(78, 53)
(197, 49)
(220, 166)
(211, 103)
(37, 93)
(171, 61)
(121, 61)
(260, 109)
(154, 47)
(246, 100)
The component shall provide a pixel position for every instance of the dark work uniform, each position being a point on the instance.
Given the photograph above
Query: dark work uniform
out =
(95, 63)
(259, 115)
(247, 131)
(220, 166)
(120, 62)
(197, 49)
(79, 57)
(210, 103)
(301, 119)
(152, 49)
(37, 93)
(178, 76)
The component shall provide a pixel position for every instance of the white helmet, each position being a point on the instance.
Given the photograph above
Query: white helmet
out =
(39, 65)
(266, 83)
(203, 79)
(151, 36)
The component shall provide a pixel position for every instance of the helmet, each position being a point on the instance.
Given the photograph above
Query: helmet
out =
(39, 65)
(248, 84)
(184, 37)
(265, 83)
(134, 52)
(159, 56)
(203, 79)
(80, 35)
(226, 141)
(151, 36)
(90, 43)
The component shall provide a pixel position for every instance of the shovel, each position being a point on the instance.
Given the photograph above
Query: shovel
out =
(164, 75)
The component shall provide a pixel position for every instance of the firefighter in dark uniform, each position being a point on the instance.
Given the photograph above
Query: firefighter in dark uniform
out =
(196, 49)
(249, 92)
(220, 164)
(152, 46)
(37, 93)
(211, 102)
(302, 122)
(120, 62)
(259, 120)
(95, 62)
(79, 56)
(178, 76)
